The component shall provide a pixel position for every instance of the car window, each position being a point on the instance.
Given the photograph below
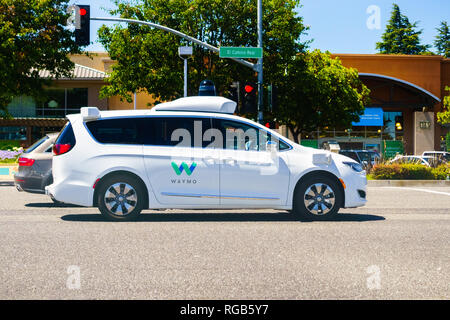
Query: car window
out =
(36, 144)
(66, 136)
(176, 131)
(364, 156)
(352, 155)
(238, 135)
(116, 131)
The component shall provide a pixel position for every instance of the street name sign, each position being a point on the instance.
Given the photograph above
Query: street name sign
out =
(240, 52)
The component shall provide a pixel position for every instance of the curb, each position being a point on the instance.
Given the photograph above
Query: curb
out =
(408, 183)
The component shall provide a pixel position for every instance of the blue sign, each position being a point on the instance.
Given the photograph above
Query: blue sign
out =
(371, 117)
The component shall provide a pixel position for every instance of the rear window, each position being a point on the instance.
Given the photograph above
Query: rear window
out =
(66, 136)
(116, 131)
(36, 144)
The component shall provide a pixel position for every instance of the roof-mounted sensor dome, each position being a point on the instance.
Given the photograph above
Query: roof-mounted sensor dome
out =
(199, 104)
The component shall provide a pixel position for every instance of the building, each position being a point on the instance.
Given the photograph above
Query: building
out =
(32, 119)
(406, 93)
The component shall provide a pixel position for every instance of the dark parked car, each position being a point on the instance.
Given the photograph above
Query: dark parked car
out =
(35, 166)
(364, 157)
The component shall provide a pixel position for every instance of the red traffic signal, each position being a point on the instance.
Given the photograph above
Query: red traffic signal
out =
(83, 11)
(248, 88)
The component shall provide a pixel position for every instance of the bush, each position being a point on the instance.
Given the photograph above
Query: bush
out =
(9, 144)
(442, 172)
(402, 171)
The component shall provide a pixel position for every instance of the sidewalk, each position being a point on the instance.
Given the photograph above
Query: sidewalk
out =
(408, 183)
(7, 172)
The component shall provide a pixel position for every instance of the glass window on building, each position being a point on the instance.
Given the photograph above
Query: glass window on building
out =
(13, 133)
(393, 125)
(22, 106)
(56, 103)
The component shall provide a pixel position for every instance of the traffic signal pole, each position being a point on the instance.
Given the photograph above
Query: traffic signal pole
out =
(260, 64)
(258, 67)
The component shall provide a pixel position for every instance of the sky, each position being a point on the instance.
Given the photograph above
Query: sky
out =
(344, 26)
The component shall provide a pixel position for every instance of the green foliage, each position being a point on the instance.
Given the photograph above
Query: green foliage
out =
(447, 141)
(401, 36)
(442, 42)
(147, 58)
(9, 144)
(444, 116)
(318, 91)
(441, 172)
(409, 171)
(33, 37)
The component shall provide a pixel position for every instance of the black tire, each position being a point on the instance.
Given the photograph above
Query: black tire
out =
(120, 197)
(317, 198)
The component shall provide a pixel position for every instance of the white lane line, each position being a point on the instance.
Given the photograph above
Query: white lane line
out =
(421, 190)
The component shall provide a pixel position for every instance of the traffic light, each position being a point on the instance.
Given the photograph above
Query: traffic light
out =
(83, 13)
(272, 98)
(270, 124)
(399, 123)
(234, 93)
(249, 98)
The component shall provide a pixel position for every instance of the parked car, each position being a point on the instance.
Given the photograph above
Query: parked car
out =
(413, 159)
(440, 156)
(374, 156)
(363, 157)
(35, 166)
(125, 161)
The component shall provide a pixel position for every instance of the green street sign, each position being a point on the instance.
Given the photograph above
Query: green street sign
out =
(240, 52)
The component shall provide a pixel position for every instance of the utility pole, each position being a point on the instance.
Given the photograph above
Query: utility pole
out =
(260, 64)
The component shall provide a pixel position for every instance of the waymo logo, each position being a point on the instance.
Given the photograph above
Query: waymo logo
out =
(179, 169)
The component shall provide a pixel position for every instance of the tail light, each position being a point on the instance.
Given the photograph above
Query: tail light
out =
(61, 148)
(25, 162)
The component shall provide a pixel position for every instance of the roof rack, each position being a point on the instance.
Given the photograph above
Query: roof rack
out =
(198, 104)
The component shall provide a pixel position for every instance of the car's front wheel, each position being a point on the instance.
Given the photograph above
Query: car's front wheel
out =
(317, 198)
(120, 198)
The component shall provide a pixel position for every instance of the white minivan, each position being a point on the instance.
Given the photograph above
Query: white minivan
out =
(193, 153)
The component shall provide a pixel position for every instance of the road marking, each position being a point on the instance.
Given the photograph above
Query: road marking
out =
(421, 190)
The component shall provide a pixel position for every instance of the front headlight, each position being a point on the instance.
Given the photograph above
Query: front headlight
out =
(355, 166)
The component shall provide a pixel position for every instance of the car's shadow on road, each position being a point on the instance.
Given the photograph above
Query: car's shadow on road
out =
(221, 217)
(51, 205)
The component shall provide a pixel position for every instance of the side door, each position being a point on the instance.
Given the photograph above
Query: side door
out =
(182, 170)
(251, 173)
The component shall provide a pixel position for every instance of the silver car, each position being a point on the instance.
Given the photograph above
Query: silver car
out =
(35, 166)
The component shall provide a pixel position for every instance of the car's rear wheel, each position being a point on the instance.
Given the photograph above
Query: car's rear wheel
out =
(120, 198)
(317, 198)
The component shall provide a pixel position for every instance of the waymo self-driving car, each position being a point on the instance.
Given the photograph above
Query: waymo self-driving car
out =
(193, 153)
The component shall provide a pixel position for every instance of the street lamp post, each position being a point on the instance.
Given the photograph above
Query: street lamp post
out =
(185, 53)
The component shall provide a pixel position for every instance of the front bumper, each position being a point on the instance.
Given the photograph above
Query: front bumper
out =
(356, 189)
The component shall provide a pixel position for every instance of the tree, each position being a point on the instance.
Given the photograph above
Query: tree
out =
(33, 37)
(147, 58)
(442, 42)
(401, 36)
(317, 92)
(444, 116)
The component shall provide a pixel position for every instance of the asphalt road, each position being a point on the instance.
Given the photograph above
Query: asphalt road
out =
(397, 247)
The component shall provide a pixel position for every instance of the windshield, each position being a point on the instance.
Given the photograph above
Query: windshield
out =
(364, 156)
